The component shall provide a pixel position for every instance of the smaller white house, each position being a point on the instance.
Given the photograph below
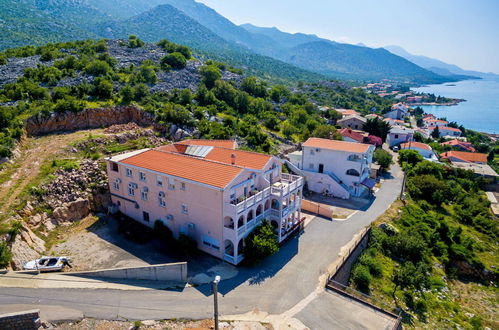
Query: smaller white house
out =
(423, 149)
(434, 122)
(398, 135)
(339, 168)
(446, 131)
(398, 111)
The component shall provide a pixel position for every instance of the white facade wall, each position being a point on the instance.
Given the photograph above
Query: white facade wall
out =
(394, 139)
(338, 163)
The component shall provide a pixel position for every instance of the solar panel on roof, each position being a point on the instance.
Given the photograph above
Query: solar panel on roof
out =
(198, 151)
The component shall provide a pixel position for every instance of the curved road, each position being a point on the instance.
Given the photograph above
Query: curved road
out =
(275, 286)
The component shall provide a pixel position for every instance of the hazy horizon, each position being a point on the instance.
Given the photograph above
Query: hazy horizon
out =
(431, 28)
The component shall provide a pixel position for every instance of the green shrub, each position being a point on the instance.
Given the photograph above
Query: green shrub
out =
(5, 255)
(97, 68)
(260, 243)
(134, 42)
(383, 158)
(174, 60)
(210, 74)
(372, 264)
(361, 278)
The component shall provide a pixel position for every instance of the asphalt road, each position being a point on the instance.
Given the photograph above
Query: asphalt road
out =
(275, 286)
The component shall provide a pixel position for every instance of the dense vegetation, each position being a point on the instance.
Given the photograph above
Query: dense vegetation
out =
(445, 232)
(248, 108)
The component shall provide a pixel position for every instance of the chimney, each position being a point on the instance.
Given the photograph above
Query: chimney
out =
(233, 159)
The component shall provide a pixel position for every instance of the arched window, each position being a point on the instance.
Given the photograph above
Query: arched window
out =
(353, 172)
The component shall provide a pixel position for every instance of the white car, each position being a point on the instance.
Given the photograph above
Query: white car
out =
(396, 149)
(47, 264)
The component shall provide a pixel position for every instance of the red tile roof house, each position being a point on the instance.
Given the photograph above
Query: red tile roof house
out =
(394, 122)
(348, 112)
(423, 149)
(446, 131)
(465, 157)
(339, 168)
(351, 135)
(215, 195)
(435, 122)
(462, 145)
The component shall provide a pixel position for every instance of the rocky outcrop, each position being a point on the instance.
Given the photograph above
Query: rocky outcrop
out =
(88, 118)
(72, 211)
(25, 246)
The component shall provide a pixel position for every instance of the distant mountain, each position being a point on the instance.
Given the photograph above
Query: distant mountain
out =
(438, 66)
(287, 40)
(167, 22)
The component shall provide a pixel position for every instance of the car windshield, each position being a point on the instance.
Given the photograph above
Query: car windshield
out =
(42, 262)
(52, 262)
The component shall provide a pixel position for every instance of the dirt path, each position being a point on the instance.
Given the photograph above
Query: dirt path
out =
(35, 151)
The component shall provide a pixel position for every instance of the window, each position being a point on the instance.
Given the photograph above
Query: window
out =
(131, 188)
(353, 172)
(114, 167)
(145, 216)
(117, 184)
(396, 136)
(232, 194)
(182, 186)
(144, 192)
(311, 166)
(211, 242)
(312, 152)
(185, 210)
(159, 181)
(142, 176)
(129, 173)
(171, 184)
(161, 199)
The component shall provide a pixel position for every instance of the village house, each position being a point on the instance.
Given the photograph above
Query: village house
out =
(398, 111)
(398, 135)
(394, 122)
(446, 131)
(208, 191)
(464, 157)
(423, 149)
(339, 168)
(351, 135)
(373, 116)
(348, 112)
(353, 121)
(431, 122)
(461, 145)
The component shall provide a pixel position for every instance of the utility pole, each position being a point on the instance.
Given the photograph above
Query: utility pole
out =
(215, 299)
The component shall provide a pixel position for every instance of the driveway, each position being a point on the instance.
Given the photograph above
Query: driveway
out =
(284, 282)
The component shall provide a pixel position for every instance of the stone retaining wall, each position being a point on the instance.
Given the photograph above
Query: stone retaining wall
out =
(25, 320)
(174, 272)
(88, 118)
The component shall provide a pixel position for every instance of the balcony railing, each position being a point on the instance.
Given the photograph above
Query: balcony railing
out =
(230, 232)
(289, 183)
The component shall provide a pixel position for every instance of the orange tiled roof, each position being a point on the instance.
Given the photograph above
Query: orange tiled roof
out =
(446, 128)
(336, 145)
(436, 121)
(246, 159)
(230, 144)
(348, 112)
(471, 157)
(415, 145)
(196, 169)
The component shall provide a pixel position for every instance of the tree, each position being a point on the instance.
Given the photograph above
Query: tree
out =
(411, 157)
(491, 156)
(103, 89)
(326, 132)
(383, 158)
(435, 133)
(377, 127)
(174, 60)
(97, 68)
(134, 42)
(260, 243)
(210, 74)
(254, 87)
(361, 277)
(127, 94)
(409, 276)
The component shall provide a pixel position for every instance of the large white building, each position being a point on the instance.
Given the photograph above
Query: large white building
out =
(398, 135)
(338, 168)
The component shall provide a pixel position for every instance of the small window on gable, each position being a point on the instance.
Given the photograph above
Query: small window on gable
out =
(182, 186)
(171, 184)
(114, 167)
(142, 176)
(129, 173)
(159, 181)
(312, 152)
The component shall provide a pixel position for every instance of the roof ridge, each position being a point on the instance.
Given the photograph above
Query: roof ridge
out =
(199, 158)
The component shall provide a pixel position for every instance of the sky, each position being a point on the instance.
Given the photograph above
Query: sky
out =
(461, 32)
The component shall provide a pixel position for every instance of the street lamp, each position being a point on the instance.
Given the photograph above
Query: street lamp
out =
(215, 299)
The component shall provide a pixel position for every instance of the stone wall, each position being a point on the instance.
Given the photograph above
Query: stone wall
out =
(88, 118)
(21, 320)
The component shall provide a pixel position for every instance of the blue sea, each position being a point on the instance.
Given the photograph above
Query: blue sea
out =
(480, 112)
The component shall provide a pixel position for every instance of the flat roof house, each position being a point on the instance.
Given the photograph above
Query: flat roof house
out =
(398, 135)
(208, 191)
(339, 168)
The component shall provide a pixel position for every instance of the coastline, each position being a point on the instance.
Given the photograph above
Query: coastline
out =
(453, 102)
